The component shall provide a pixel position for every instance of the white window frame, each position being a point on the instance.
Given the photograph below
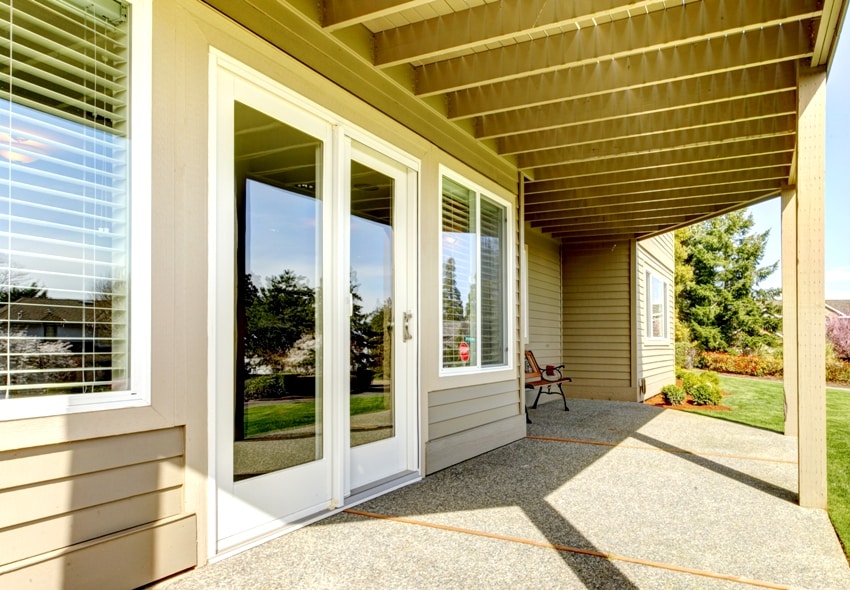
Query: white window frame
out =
(665, 313)
(509, 320)
(139, 263)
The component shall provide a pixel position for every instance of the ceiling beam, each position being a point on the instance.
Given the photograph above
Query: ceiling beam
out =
(659, 98)
(677, 140)
(663, 185)
(608, 231)
(682, 119)
(826, 32)
(493, 23)
(656, 161)
(345, 13)
(740, 51)
(681, 171)
(670, 215)
(677, 26)
(638, 203)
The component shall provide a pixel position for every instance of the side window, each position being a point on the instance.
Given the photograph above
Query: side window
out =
(473, 247)
(65, 210)
(656, 307)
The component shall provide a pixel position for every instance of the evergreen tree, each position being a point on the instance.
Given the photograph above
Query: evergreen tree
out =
(718, 300)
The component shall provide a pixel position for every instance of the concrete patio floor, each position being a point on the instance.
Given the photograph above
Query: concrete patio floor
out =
(608, 495)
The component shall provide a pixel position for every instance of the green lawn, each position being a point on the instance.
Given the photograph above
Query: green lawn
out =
(260, 419)
(760, 403)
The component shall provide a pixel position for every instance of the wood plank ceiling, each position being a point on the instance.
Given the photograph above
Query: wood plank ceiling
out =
(627, 117)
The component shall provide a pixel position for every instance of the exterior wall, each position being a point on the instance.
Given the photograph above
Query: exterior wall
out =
(76, 503)
(656, 359)
(127, 489)
(544, 298)
(465, 414)
(598, 320)
(543, 291)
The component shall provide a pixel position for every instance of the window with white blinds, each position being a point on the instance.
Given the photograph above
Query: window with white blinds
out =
(656, 306)
(473, 267)
(64, 197)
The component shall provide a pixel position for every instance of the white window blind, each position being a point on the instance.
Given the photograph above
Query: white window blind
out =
(492, 299)
(64, 197)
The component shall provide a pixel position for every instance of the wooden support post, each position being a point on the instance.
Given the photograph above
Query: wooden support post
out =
(789, 307)
(811, 356)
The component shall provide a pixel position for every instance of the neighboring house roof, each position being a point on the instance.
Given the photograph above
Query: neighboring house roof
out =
(27, 310)
(838, 307)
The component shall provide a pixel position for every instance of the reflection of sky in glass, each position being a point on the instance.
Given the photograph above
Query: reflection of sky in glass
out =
(281, 235)
(63, 203)
(371, 259)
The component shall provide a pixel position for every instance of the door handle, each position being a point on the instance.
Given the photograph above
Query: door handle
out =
(406, 332)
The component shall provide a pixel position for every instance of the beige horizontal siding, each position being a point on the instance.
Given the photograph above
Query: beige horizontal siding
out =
(450, 450)
(544, 298)
(598, 322)
(659, 247)
(128, 559)
(67, 496)
(656, 359)
(488, 409)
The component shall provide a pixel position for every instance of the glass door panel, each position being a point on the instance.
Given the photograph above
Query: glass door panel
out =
(278, 393)
(382, 355)
(371, 381)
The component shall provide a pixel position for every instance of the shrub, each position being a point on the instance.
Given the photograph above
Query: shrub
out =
(674, 394)
(710, 377)
(838, 334)
(705, 394)
(265, 387)
(838, 371)
(689, 381)
(754, 366)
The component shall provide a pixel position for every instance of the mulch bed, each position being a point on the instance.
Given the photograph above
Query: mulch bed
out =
(660, 401)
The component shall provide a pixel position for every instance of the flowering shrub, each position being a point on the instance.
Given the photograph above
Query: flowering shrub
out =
(838, 333)
(755, 366)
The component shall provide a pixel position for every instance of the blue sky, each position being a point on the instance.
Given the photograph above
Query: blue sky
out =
(767, 215)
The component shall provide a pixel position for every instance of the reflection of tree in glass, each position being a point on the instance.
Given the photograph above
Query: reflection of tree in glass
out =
(452, 303)
(380, 347)
(278, 314)
(360, 330)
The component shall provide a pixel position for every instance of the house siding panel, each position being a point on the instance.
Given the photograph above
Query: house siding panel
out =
(544, 298)
(597, 322)
(467, 421)
(76, 495)
(656, 359)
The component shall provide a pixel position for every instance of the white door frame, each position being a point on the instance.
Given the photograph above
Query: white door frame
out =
(227, 76)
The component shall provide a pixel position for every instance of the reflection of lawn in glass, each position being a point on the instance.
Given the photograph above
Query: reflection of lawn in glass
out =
(261, 419)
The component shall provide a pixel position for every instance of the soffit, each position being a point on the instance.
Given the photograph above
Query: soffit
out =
(627, 118)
